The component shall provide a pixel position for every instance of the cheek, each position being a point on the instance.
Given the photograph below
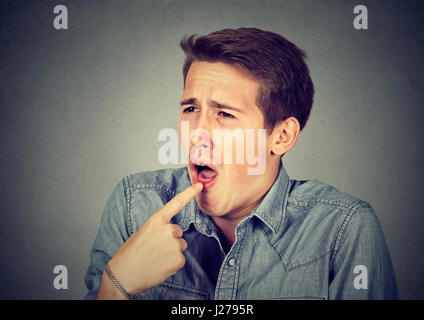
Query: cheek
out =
(237, 176)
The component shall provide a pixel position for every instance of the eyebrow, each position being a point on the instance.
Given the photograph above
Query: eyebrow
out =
(212, 103)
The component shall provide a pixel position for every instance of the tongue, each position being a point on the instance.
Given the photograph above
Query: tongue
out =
(207, 173)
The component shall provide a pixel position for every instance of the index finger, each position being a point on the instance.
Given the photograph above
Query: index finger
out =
(176, 204)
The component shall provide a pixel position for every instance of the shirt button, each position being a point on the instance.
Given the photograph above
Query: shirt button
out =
(231, 262)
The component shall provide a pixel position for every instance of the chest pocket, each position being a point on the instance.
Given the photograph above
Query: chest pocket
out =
(308, 281)
(170, 291)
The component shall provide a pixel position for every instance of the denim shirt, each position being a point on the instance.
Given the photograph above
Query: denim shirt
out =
(305, 240)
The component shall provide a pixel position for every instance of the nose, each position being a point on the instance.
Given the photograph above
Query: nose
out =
(201, 146)
(201, 132)
(200, 136)
(201, 142)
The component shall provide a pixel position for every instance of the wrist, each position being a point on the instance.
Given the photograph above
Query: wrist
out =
(119, 289)
(107, 290)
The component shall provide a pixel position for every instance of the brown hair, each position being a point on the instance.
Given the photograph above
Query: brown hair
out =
(286, 88)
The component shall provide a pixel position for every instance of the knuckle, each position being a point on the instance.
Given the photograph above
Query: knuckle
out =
(181, 260)
(178, 230)
(174, 230)
(184, 244)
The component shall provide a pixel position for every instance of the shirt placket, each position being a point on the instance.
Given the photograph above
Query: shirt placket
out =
(227, 283)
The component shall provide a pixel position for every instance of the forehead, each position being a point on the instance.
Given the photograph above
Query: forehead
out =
(220, 81)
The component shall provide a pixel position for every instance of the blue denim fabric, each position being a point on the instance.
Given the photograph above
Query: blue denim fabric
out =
(302, 242)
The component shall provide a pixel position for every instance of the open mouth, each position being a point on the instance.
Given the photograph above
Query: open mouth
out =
(204, 173)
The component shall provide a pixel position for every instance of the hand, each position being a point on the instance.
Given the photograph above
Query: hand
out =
(155, 252)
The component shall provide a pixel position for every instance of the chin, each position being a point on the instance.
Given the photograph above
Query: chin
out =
(207, 207)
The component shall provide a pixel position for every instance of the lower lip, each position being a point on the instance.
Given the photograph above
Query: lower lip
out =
(207, 183)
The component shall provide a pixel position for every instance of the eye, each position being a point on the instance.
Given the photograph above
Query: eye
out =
(226, 115)
(189, 109)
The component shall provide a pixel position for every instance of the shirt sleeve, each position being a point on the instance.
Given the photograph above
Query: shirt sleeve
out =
(113, 232)
(361, 267)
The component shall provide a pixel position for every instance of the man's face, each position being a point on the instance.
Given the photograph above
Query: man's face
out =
(219, 96)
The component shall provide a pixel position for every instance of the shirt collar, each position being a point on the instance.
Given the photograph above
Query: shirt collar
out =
(271, 211)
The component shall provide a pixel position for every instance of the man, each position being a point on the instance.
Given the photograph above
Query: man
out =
(214, 230)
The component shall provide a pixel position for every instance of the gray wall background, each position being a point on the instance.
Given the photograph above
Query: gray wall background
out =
(81, 108)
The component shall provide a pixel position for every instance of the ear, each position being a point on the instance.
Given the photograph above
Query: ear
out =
(284, 136)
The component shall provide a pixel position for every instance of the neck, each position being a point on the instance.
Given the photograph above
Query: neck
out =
(227, 223)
